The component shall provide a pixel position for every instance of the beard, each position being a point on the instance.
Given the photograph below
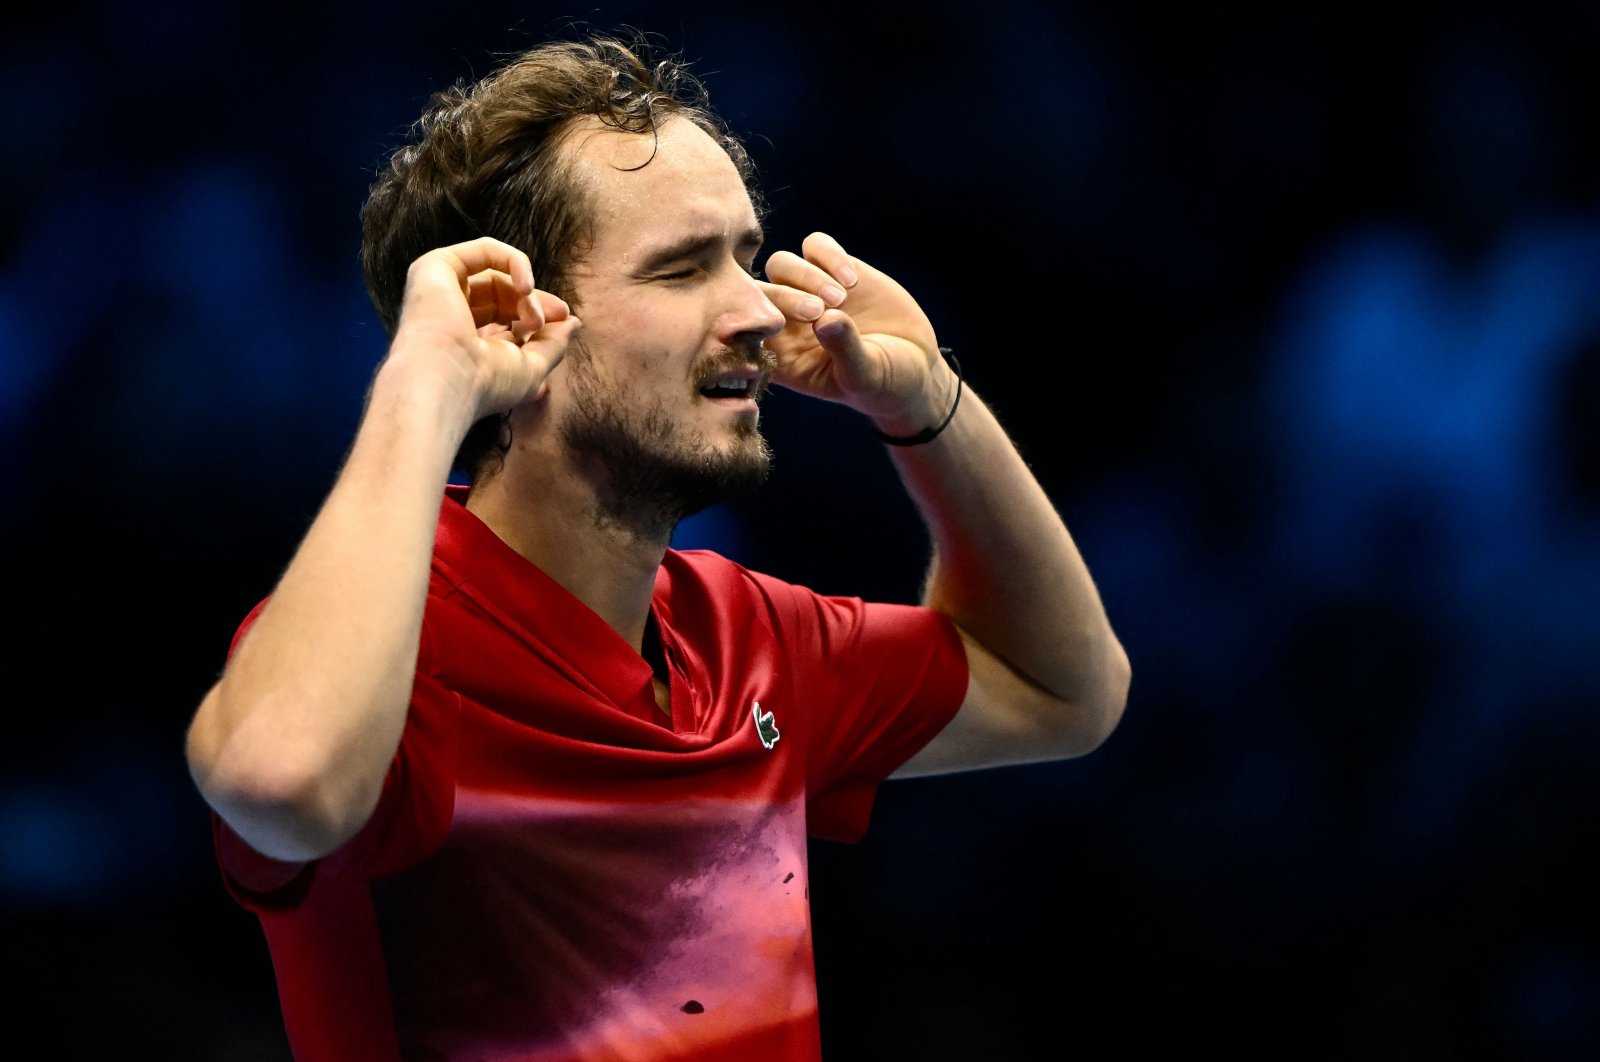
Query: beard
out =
(650, 472)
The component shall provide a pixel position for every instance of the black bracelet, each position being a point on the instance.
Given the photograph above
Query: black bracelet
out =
(928, 434)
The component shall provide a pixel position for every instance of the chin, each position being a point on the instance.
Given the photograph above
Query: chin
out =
(749, 444)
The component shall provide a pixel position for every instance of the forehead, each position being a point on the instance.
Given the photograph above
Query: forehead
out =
(648, 190)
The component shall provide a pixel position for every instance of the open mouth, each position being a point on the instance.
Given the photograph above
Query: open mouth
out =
(743, 382)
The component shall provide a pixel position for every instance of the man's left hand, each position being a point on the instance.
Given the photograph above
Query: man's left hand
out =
(872, 348)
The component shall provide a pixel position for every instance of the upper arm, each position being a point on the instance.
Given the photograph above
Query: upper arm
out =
(1007, 719)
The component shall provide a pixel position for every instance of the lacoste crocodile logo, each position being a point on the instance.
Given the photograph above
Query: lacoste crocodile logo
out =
(766, 729)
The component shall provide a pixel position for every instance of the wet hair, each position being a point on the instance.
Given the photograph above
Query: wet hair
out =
(486, 158)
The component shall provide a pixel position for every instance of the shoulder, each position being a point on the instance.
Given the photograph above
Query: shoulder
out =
(708, 571)
(701, 587)
(702, 582)
(712, 577)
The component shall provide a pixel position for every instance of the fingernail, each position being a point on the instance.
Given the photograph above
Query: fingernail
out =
(847, 276)
(832, 294)
(831, 329)
(810, 309)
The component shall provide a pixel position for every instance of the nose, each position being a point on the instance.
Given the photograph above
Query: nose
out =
(749, 314)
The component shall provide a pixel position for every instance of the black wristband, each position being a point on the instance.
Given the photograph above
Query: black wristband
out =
(929, 434)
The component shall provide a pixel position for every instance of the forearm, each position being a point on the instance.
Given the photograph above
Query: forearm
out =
(292, 744)
(1005, 568)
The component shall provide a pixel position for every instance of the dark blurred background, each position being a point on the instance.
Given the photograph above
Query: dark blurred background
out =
(1295, 312)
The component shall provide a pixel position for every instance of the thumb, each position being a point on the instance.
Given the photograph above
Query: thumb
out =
(837, 334)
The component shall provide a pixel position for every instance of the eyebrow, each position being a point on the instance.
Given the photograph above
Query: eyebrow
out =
(696, 244)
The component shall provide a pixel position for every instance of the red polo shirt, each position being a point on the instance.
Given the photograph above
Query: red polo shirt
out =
(554, 874)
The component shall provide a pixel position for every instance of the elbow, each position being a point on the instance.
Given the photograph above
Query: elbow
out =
(1101, 709)
(1118, 680)
(282, 811)
(281, 800)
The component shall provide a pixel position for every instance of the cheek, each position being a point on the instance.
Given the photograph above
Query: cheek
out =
(631, 310)
(644, 333)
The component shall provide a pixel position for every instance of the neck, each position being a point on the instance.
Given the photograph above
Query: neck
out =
(558, 526)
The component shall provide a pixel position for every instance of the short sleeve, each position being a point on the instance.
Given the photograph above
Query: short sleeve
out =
(879, 681)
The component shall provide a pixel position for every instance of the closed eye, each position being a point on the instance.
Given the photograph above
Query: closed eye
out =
(691, 271)
(703, 249)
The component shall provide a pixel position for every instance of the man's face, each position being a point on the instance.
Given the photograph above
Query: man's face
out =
(660, 398)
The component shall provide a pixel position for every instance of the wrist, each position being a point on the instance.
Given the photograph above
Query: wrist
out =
(425, 396)
(924, 425)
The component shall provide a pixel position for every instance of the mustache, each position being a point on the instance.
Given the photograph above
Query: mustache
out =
(728, 359)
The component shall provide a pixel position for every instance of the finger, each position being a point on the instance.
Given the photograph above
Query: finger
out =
(554, 340)
(788, 268)
(549, 347)
(794, 304)
(495, 330)
(553, 311)
(553, 307)
(537, 312)
(485, 252)
(480, 286)
(826, 252)
(493, 296)
(836, 332)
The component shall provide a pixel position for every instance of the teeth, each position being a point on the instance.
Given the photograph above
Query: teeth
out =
(739, 386)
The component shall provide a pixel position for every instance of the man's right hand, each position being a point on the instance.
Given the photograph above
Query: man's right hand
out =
(472, 313)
